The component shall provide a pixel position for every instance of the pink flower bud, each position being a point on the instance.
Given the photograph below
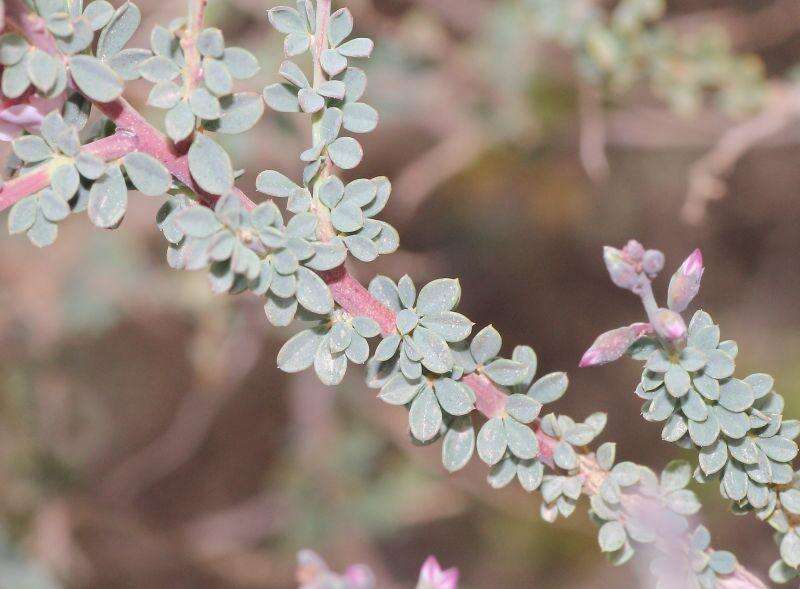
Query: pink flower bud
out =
(433, 577)
(622, 270)
(24, 114)
(359, 576)
(685, 283)
(611, 345)
(653, 262)
(669, 325)
(634, 250)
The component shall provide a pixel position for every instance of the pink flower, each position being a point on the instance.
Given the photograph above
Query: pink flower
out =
(24, 114)
(359, 576)
(611, 345)
(669, 325)
(433, 577)
(685, 283)
(621, 267)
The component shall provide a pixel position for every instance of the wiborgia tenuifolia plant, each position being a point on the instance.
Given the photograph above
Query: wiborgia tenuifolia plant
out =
(62, 60)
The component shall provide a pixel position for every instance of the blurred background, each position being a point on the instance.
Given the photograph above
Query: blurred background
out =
(147, 438)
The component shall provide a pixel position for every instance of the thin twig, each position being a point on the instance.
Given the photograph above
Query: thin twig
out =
(706, 181)
(592, 133)
(194, 25)
(219, 379)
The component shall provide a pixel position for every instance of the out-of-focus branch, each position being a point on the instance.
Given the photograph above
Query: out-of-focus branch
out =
(706, 177)
(450, 156)
(244, 524)
(754, 29)
(221, 370)
(592, 132)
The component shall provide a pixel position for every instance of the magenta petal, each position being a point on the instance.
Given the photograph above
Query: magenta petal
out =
(592, 357)
(448, 579)
(430, 570)
(693, 264)
(359, 576)
(9, 131)
(613, 344)
(24, 115)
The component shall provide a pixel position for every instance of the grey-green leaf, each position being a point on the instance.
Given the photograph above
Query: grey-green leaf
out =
(359, 117)
(312, 292)
(210, 166)
(179, 121)
(53, 207)
(523, 408)
(108, 199)
(148, 175)
(438, 296)
(119, 30)
(486, 344)
(345, 153)
(23, 215)
(425, 415)
(31, 148)
(611, 536)
(521, 439)
(299, 352)
(452, 326)
(94, 78)
(550, 387)
(452, 396)
(436, 355)
(240, 113)
(241, 63)
(492, 441)
(459, 444)
(505, 372)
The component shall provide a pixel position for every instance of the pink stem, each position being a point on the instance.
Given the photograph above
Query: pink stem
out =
(112, 147)
(134, 133)
(31, 25)
(197, 11)
(321, 38)
(109, 148)
(150, 140)
(489, 399)
(25, 185)
(351, 296)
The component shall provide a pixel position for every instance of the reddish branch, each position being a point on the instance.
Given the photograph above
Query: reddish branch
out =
(134, 133)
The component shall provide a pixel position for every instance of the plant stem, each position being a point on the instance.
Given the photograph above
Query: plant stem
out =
(321, 38)
(134, 133)
(325, 230)
(194, 25)
(31, 25)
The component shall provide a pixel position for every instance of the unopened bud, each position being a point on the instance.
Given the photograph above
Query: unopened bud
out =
(653, 262)
(621, 270)
(685, 283)
(669, 325)
(611, 345)
(433, 577)
(634, 250)
(359, 576)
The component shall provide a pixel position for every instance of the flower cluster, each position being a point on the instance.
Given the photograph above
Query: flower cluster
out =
(688, 383)
(314, 573)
